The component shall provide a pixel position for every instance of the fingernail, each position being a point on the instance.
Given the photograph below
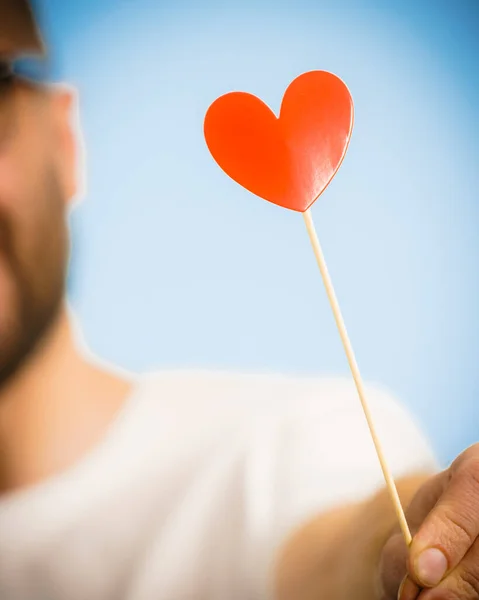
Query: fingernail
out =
(401, 588)
(431, 566)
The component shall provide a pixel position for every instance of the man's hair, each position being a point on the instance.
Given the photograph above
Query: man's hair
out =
(19, 33)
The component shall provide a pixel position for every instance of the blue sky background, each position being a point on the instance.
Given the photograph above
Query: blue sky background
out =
(175, 265)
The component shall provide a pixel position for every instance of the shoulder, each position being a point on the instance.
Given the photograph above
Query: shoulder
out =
(307, 422)
(264, 393)
(288, 447)
(324, 411)
(247, 394)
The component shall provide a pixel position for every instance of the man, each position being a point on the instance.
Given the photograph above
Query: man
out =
(186, 485)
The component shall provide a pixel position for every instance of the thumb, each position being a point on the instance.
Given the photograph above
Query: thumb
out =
(449, 530)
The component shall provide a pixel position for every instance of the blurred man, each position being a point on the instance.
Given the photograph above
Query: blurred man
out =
(185, 485)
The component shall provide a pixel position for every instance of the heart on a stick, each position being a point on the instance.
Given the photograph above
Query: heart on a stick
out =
(288, 160)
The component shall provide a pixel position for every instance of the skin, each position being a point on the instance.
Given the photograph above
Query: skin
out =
(357, 551)
(338, 555)
(55, 404)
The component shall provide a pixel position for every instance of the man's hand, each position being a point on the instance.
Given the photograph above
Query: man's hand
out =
(443, 560)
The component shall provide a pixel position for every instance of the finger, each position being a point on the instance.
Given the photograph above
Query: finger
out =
(451, 527)
(425, 499)
(393, 566)
(408, 590)
(393, 562)
(462, 583)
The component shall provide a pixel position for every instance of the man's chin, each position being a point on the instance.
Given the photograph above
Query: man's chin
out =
(9, 313)
(11, 351)
(21, 332)
(13, 339)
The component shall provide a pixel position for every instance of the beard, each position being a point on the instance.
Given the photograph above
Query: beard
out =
(35, 272)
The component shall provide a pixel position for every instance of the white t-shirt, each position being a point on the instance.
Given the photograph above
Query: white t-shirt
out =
(196, 484)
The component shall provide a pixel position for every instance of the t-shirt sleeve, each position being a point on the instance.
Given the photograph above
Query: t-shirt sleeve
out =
(320, 455)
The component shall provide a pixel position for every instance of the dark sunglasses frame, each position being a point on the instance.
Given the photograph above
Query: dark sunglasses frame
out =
(5, 72)
(33, 69)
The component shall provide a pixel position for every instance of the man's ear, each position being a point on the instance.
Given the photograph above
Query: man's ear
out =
(69, 142)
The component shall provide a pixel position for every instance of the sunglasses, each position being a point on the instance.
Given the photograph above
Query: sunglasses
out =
(5, 71)
(35, 70)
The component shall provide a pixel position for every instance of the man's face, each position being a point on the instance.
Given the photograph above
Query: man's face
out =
(34, 180)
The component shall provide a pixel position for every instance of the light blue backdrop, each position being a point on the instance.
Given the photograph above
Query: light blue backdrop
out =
(174, 264)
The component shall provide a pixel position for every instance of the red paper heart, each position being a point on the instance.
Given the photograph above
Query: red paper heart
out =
(288, 160)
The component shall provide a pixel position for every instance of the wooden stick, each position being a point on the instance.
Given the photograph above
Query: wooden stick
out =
(356, 375)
